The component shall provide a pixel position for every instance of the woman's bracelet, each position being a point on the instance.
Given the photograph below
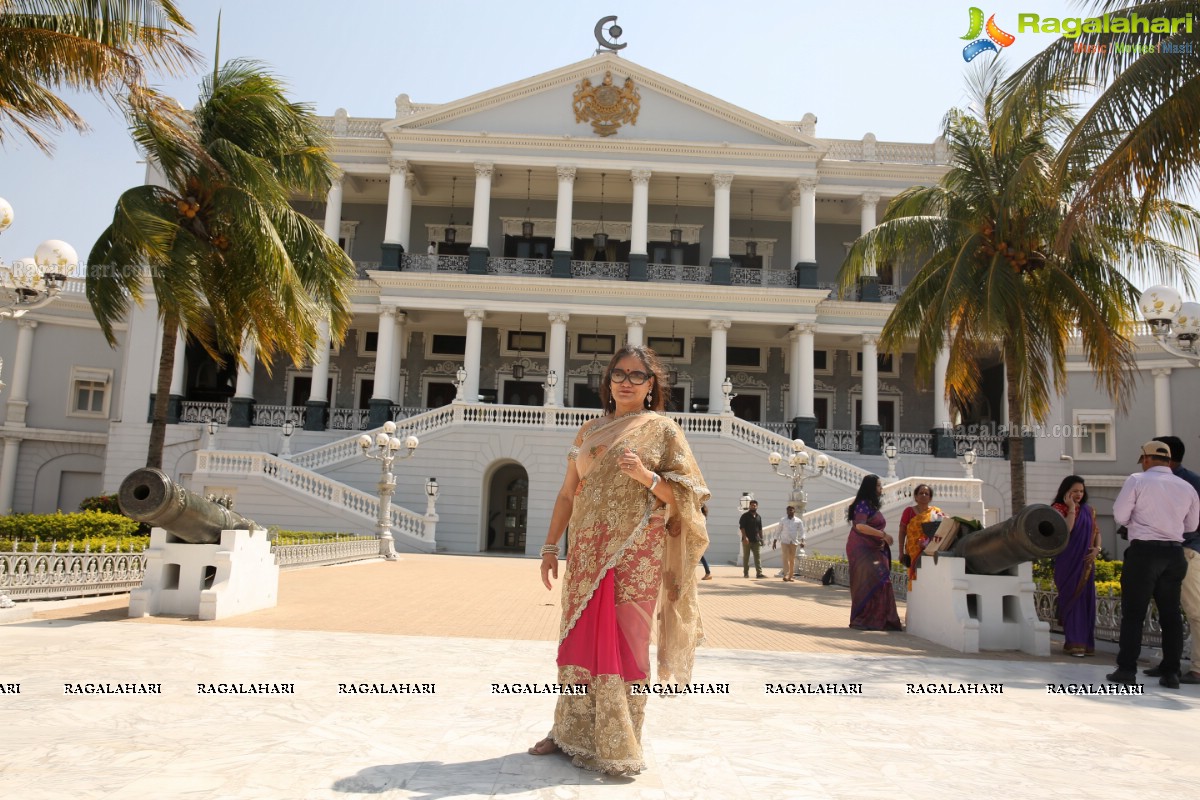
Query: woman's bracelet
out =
(653, 482)
(550, 548)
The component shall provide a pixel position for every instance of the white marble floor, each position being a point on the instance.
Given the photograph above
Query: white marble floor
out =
(464, 741)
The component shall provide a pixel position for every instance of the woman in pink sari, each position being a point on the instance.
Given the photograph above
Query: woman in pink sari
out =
(632, 497)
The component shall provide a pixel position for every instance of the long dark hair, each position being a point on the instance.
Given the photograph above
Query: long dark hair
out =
(660, 386)
(868, 492)
(1065, 487)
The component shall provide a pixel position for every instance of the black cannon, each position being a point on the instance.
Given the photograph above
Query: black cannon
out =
(149, 496)
(1037, 531)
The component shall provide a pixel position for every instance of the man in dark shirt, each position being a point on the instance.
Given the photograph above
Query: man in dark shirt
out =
(1190, 591)
(751, 527)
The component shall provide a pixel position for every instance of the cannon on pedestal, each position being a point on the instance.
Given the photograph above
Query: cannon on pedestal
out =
(204, 560)
(149, 496)
(1037, 531)
(982, 599)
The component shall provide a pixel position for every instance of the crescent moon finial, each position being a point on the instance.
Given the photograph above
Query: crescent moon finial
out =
(613, 29)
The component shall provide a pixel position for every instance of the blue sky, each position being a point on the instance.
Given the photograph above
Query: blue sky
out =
(890, 68)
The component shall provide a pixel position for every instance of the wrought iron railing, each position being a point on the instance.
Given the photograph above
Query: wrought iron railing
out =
(539, 267)
(984, 446)
(747, 276)
(678, 273)
(267, 416)
(910, 444)
(191, 411)
(836, 441)
(348, 419)
(416, 262)
(600, 270)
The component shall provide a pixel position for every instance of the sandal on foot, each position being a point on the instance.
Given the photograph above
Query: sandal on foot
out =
(545, 747)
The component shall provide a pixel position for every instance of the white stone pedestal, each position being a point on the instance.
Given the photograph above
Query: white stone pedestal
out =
(209, 581)
(969, 613)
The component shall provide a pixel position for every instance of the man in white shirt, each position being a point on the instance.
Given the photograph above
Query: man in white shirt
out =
(1158, 508)
(790, 534)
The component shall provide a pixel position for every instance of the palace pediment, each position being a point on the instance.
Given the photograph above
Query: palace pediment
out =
(604, 98)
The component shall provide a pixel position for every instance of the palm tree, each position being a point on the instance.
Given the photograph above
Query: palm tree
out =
(1148, 109)
(227, 255)
(48, 45)
(992, 274)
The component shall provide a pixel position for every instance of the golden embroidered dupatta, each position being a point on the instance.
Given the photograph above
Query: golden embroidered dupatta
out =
(652, 551)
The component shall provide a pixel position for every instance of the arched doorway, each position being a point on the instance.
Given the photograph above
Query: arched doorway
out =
(508, 510)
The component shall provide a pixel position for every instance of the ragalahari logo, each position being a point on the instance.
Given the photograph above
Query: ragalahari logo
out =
(995, 36)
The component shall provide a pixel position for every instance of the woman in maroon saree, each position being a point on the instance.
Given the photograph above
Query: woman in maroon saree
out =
(632, 495)
(1075, 569)
(868, 548)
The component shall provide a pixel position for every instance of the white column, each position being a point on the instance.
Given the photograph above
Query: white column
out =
(804, 221)
(641, 212)
(562, 220)
(867, 202)
(397, 358)
(8, 475)
(474, 348)
(721, 183)
(177, 371)
(804, 346)
(635, 330)
(385, 354)
(245, 371)
(716, 363)
(333, 207)
(941, 407)
(793, 372)
(870, 380)
(320, 368)
(395, 229)
(483, 206)
(558, 352)
(18, 398)
(1162, 401)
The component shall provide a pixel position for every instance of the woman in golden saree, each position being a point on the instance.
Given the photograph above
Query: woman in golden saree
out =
(632, 497)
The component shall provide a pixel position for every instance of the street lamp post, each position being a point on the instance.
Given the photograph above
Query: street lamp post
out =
(551, 382)
(744, 503)
(969, 463)
(31, 283)
(211, 429)
(384, 449)
(1174, 324)
(285, 438)
(460, 380)
(890, 452)
(727, 390)
(431, 491)
(799, 470)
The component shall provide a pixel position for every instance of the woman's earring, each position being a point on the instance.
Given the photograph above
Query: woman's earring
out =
(649, 399)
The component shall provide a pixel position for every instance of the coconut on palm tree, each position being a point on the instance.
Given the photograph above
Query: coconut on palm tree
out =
(227, 255)
(104, 48)
(992, 274)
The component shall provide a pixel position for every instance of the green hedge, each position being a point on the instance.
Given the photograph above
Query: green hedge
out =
(96, 530)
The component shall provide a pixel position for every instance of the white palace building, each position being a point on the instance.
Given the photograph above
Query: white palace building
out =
(507, 242)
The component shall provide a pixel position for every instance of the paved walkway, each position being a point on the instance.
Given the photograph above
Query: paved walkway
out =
(461, 625)
(503, 598)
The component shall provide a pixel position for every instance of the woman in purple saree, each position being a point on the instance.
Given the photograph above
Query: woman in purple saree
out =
(868, 548)
(1075, 569)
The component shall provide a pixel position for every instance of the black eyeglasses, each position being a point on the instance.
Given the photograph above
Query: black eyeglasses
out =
(637, 378)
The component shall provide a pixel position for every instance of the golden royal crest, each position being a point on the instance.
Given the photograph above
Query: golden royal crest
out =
(606, 106)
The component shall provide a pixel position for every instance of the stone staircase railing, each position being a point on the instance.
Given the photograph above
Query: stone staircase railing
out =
(724, 425)
(408, 527)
